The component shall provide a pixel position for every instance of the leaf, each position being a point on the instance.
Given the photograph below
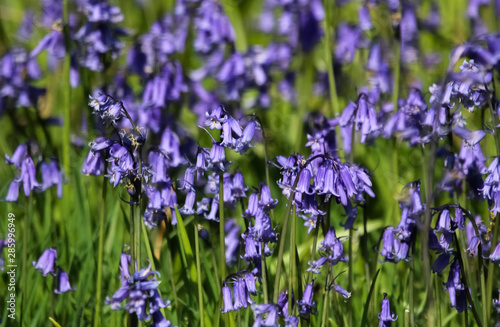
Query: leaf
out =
(186, 246)
(368, 298)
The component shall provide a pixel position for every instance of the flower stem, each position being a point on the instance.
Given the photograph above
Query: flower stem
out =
(350, 277)
(264, 272)
(438, 301)
(222, 244)
(326, 300)
(292, 276)
(26, 236)
(466, 284)
(67, 91)
(313, 251)
(150, 256)
(198, 272)
(97, 311)
(491, 265)
(171, 273)
(428, 172)
(411, 280)
(276, 290)
(328, 57)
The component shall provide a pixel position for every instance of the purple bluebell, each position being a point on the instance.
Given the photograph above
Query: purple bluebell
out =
(386, 316)
(238, 189)
(46, 263)
(339, 289)
(455, 288)
(496, 302)
(349, 38)
(214, 208)
(441, 263)
(471, 138)
(216, 118)
(365, 22)
(232, 241)
(307, 304)
(100, 35)
(315, 266)
(140, 289)
(409, 34)
(212, 27)
(159, 320)
(495, 254)
(259, 311)
(52, 175)
(62, 283)
(388, 244)
(188, 209)
(227, 297)
(266, 202)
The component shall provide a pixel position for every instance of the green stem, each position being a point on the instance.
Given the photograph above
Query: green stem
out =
(350, 277)
(328, 57)
(150, 256)
(133, 257)
(494, 222)
(291, 254)
(234, 15)
(491, 265)
(411, 280)
(464, 281)
(26, 236)
(313, 251)
(67, 92)
(438, 300)
(97, 314)
(172, 281)
(198, 272)
(326, 301)
(222, 244)
(277, 278)
(264, 273)
(428, 172)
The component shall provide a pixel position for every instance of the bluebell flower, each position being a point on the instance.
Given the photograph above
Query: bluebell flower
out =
(52, 175)
(188, 209)
(100, 35)
(212, 27)
(441, 263)
(455, 288)
(63, 284)
(214, 209)
(266, 202)
(388, 244)
(46, 263)
(315, 266)
(386, 316)
(339, 289)
(349, 38)
(259, 311)
(307, 304)
(139, 289)
(232, 241)
(159, 320)
(496, 303)
(227, 296)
